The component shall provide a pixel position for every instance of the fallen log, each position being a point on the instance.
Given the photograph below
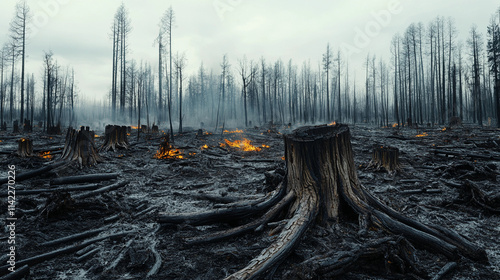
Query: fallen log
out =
(73, 237)
(84, 178)
(30, 174)
(461, 154)
(445, 270)
(17, 274)
(101, 190)
(61, 189)
(66, 250)
(232, 212)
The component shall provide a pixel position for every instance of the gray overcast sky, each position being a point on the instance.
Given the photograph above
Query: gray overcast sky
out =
(77, 31)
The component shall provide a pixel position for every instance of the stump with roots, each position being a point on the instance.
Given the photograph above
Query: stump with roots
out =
(321, 186)
(387, 158)
(115, 138)
(80, 146)
(25, 147)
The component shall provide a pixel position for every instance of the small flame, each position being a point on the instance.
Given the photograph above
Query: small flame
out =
(233, 131)
(134, 127)
(169, 153)
(332, 124)
(46, 155)
(245, 145)
(394, 124)
(265, 146)
(204, 147)
(96, 136)
(444, 129)
(283, 157)
(424, 134)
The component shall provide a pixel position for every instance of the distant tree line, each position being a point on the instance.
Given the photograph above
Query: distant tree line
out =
(429, 78)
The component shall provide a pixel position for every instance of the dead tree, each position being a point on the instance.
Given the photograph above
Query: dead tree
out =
(25, 147)
(115, 138)
(385, 157)
(80, 146)
(323, 187)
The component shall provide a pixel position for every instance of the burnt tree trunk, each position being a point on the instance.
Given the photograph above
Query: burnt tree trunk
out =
(387, 158)
(322, 186)
(115, 138)
(80, 146)
(15, 127)
(25, 147)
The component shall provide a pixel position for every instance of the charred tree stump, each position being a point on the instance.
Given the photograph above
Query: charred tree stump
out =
(15, 127)
(27, 126)
(4, 126)
(387, 158)
(80, 147)
(454, 122)
(323, 186)
(144, 129)
(25, 147)
(54, 130)
(115, 138)
(154, 129)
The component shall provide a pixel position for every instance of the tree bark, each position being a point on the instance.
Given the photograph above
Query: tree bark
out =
(79, 146)
(25, 147)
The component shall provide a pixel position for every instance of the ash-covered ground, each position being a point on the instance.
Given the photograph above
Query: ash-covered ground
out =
(203, 174)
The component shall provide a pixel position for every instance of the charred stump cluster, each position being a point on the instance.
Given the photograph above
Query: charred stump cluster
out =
(321, 187)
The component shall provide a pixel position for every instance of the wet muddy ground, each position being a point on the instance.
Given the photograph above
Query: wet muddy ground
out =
(428, 188)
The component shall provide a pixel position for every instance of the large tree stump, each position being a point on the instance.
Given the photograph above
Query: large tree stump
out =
(115, 138)
(25, 147)
(27, 127)
(387, 158)
(322, 184)
(79, 146)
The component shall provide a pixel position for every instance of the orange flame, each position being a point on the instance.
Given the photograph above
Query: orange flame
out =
(332, 124)
(204, 147)
(244, 145)
(46, 155)
(422, 134)
(444, 129)
(233, 131)
(134, 127)
(394, 124)
(169, 154)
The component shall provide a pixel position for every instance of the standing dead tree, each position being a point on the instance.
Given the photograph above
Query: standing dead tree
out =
(322, 186)
(80, 146)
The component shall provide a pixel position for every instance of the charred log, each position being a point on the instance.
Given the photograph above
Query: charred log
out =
(387, 158)
(25, 147)
(79, 146)
(34, 173)
(84, 178)
(115, 138)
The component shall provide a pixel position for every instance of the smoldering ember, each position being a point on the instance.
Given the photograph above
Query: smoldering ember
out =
(252, 168)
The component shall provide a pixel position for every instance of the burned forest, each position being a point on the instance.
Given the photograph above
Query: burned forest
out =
(177, 146)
